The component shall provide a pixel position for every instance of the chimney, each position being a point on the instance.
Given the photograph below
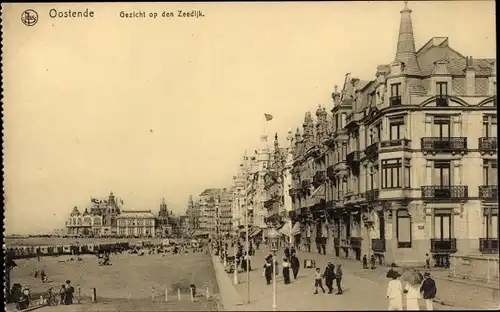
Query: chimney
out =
(470, 77)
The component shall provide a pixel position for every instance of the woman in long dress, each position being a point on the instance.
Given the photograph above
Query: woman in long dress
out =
(286, 271)
(413, 281)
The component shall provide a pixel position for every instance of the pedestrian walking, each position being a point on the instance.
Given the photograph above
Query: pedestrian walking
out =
(365, 262)
(372, 262)
(338, 279)
(395, 291)
(428, 291)
(268, 270)
(286, 271)
(427, 261)
(295, 265)
(287, 253)
(329, 276)
(318, 281)
(412, 295)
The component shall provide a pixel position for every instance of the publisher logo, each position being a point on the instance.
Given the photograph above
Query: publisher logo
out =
(29, 17)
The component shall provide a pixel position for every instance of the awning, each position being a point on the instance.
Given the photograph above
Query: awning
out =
(256, 232)
(296, 229)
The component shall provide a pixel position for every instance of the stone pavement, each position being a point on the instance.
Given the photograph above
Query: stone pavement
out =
(357, 284)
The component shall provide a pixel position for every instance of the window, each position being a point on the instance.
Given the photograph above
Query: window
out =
(403, 228)
(122, 231)
(441, 126)
(395, 89)
(442, 224)
(490, 126)
(373, 178)
(336, 122)
(442, 175)
(391, 173)
(140, 231)
(442, 89)
(490, 173)
(343, 118)
(378, 128)
(490, 220)
(396, 126)
(130, 231)
(407, 173)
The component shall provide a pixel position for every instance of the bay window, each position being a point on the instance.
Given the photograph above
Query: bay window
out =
(391, 173)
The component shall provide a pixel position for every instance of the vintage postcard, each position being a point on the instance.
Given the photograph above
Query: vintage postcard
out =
(250, 156)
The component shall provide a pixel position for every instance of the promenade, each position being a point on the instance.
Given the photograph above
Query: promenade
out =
(363, 289)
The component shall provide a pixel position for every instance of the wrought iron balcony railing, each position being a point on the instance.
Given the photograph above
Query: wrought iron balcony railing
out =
(372, 195)
(443, 144)
(306, 184)
(378, 245)
(445, 192)
(372, 150)
(442, 101)
(488, 192)
(319, 178)
(355, 242)
(443, 245)
(352, 158)
(488, 245)
(487, 144)
(395, 100)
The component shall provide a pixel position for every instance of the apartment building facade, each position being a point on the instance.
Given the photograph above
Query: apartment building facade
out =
(410, 159)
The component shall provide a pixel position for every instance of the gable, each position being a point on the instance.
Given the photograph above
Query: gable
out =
(427, 57)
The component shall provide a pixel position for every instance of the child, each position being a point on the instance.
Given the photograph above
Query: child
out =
(318, 281)
(365, 262)
(62, 293)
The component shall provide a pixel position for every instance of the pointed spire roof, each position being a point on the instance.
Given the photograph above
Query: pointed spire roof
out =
(406, 52)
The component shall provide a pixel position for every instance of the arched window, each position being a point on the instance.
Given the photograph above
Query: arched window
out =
(97, 221)
(87, 221)
(74, 221)
(403, 228)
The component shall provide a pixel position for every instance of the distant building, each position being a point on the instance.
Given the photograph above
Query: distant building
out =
(136, 223)
(163, 226)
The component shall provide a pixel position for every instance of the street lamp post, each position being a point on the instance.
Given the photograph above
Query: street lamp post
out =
(235, 273)
(273, 238)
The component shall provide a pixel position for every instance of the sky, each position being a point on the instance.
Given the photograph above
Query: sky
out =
(165, 107)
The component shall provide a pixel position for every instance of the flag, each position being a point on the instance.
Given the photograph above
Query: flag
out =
(269, 117)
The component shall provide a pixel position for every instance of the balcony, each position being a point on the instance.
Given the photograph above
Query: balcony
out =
(372, 150)
(395, 143)
(444, 145)
(487, 145)
(445, 192)
(442, 101)
(488, 192)
(306, 184)
(330, 173)
(395, 100)
(372, 195)
(378, 245)
(319, 178)
(443, 245)
(488, 245)
(352, 158)
(356, 242)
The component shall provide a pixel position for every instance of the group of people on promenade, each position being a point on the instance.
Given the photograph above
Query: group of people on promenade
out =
(415, 286)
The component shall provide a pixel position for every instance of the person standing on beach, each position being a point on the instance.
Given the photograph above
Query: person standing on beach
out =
(69, 293)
